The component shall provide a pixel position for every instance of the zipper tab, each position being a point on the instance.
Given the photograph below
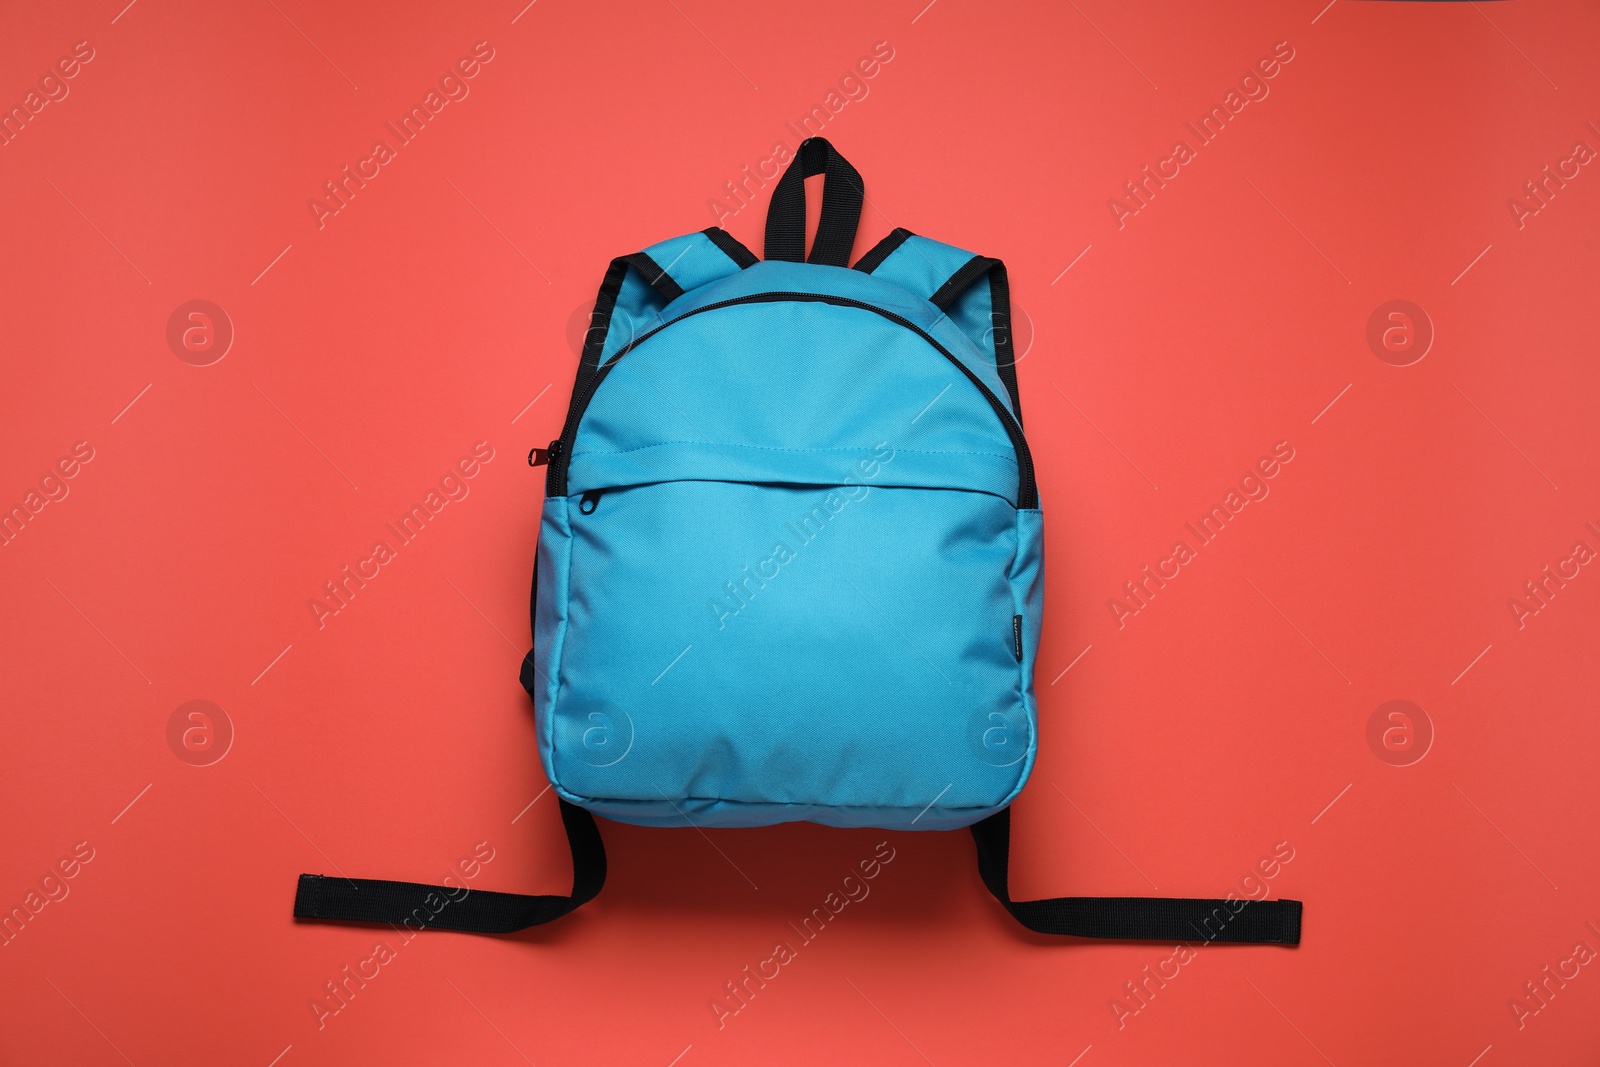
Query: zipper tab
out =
(589, 501)
(538, 457)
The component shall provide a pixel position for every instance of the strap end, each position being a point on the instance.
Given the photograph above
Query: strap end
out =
(308, 897)
(1290, 922)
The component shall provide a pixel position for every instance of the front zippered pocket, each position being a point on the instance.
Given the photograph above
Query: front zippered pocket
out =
(561, 456)
(788, 661)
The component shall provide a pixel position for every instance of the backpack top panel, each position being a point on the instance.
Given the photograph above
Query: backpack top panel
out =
(794, 373)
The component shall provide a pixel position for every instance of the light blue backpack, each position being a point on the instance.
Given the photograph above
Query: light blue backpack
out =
(790, 567)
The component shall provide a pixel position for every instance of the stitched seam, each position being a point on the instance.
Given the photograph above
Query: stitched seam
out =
(560, 642)
(1020, 603)
(585, 800)
(774, 448)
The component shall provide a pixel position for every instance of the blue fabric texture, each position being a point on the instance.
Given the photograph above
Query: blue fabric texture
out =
(920, 265)
(788, 577)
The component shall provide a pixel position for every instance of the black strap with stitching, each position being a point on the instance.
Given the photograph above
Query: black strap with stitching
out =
(842, 196)
(332, 898)
(1275, 922)
(653, 273)
(874, 256)
(730, 246)
(945, 297)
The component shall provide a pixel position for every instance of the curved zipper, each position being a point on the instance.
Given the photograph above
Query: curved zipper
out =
(561, 448)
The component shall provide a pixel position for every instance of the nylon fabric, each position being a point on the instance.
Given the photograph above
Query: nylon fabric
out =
(777, 277)
(790, 587)
(759, 411)
(842, 652)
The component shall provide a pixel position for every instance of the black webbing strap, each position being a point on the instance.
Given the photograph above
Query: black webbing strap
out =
(605, 306)
(652, 272)
(1132, 918)
(1005, 359)
(873, 258)
(594, 338)
(1005, 352)
(731, 247)
(842, 195)
(330, 898)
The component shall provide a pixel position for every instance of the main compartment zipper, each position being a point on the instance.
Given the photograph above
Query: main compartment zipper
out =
(560, 455)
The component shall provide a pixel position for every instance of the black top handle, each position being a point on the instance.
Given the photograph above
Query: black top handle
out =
(842, 195)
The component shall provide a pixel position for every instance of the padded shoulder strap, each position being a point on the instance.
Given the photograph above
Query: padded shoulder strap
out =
(1273, 922)
(637, 287)
(950, 277)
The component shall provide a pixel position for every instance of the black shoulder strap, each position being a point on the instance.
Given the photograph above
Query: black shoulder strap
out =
(651, 271)
(731, 247)
(331, 898)
(1274, 922)
(874, 257)
(999, 332)
(949, 278)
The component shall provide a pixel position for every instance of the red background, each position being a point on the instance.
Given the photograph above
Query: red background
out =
(1229, 715)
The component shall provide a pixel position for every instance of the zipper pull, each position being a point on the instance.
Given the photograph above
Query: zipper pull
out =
(589, 501)
(538, 457)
